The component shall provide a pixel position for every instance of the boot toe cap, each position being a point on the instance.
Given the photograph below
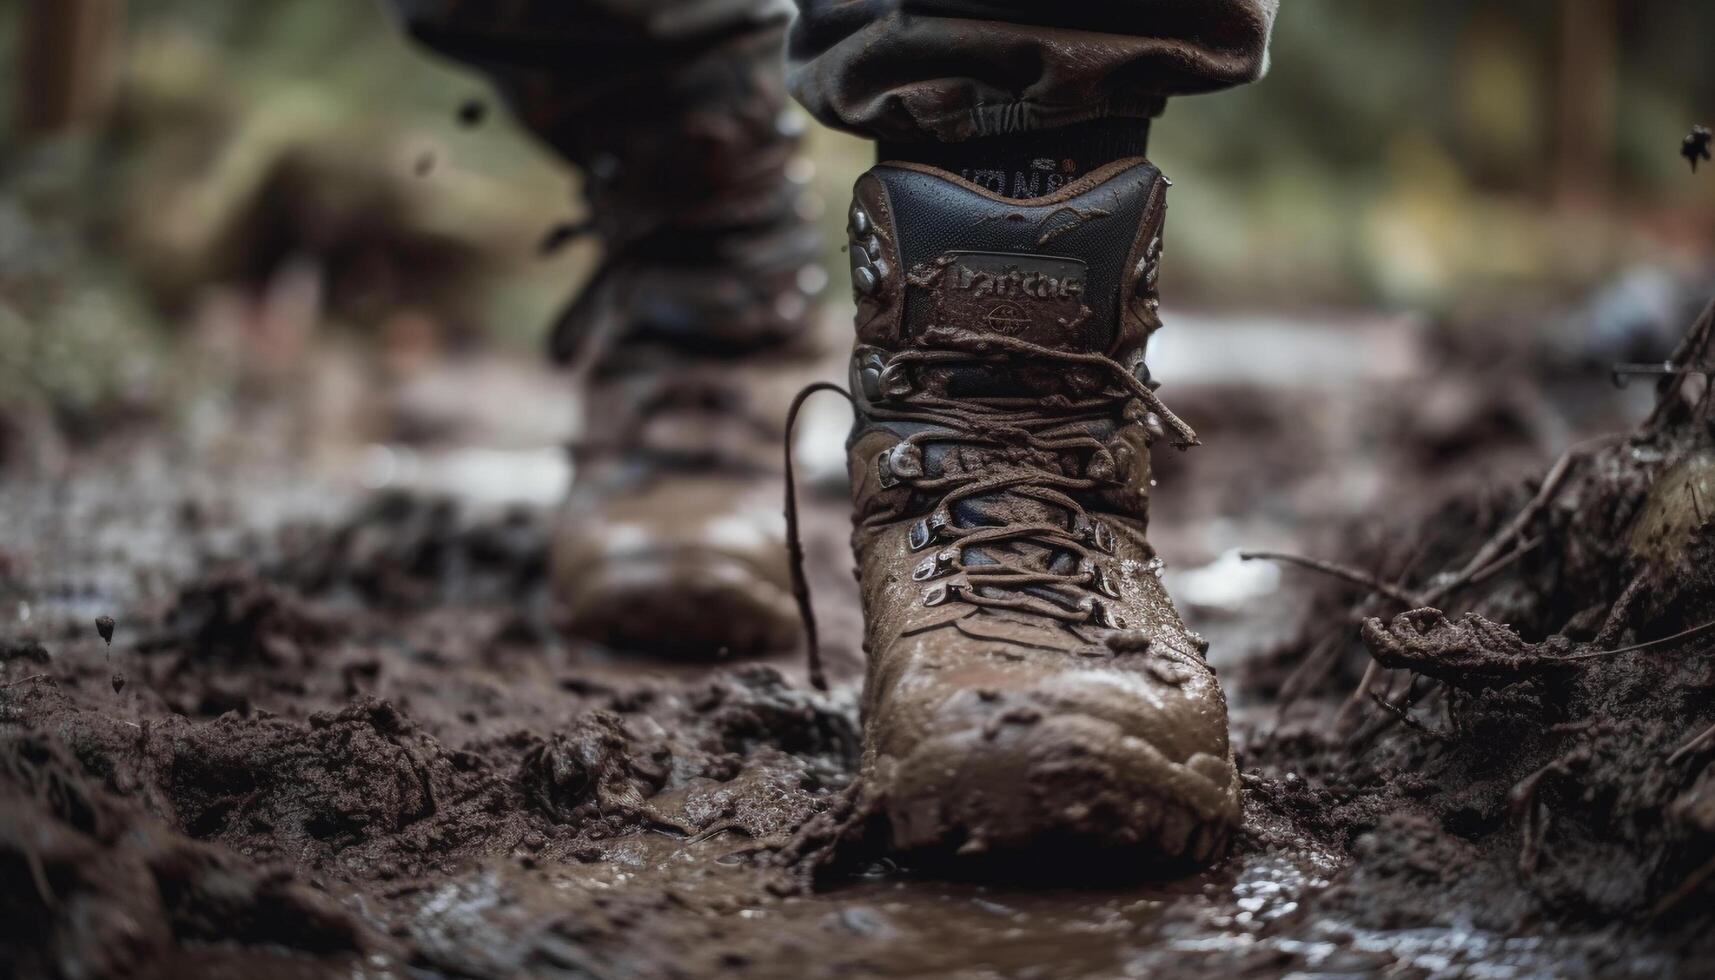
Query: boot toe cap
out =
(688, 568)
(693, 605)
(1098, 760)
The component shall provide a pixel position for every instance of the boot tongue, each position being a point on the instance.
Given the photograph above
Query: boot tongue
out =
(1003, 509)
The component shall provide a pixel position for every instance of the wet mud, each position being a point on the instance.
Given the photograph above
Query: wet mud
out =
(354, 740)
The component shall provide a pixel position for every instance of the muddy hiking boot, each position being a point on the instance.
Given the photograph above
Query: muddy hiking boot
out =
(1031, 689)
(697, 322)
(689, 339)
(699, 318)
(671, 542)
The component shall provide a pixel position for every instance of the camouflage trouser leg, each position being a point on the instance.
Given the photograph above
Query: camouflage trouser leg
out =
(907, 70)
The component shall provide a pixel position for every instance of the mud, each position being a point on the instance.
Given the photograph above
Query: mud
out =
(350, 738)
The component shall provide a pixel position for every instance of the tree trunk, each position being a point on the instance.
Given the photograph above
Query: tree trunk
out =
(1585, 132)
(70, 59)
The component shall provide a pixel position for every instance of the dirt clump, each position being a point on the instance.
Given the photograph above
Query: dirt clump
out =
(102, 890)
(591, 771)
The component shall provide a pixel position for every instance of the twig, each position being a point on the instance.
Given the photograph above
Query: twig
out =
(717, 829)
(1534, 817)
(1492, 548)
(1686, 887)
(1409, 701)
(1620, 613)
(1311, 669)
(1695, 745)
(23, 680)
(1691, 347)
(1681, 635)
(1500, 564)
(39, 876)
(1345, 572)
(1371, 670)
(1356, 577)
(1400, 714)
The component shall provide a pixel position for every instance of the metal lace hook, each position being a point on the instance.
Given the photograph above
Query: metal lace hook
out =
(795, 543)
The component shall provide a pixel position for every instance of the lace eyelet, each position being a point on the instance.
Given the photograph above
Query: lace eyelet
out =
(896, 381)
(934, 565)
(920, 536)
(924, 532)
(905, 460)
(864, 280)
(1099, 613)
(1102, 537)
(868, 367)
(884, 476)
(1101, 583)
(941, 593)
(1138, 368)
(1156, 428)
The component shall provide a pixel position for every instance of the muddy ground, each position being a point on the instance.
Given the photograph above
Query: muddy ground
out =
(337, 731)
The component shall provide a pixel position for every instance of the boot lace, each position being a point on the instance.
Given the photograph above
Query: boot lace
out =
(1004, 451)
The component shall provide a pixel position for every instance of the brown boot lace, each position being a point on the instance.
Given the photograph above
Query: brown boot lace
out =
(1023, 445)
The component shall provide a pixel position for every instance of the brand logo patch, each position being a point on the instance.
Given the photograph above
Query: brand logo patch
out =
(1036, 298)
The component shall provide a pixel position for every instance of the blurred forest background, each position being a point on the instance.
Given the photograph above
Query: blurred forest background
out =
(196, 195)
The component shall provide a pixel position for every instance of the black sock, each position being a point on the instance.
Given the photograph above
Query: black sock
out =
(1030, 164)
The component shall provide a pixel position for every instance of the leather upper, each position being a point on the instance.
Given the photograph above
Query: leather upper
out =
(1000, 464)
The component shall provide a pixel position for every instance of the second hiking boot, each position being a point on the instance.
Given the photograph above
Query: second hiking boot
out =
(1031, 688)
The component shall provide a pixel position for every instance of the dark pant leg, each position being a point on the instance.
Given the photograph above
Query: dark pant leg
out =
(950, 70)
(670, 106)
(676, 112)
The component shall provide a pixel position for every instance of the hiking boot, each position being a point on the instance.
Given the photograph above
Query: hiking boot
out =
(689, 338)
(1030, 686)
(699, 320)
(671, 542)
